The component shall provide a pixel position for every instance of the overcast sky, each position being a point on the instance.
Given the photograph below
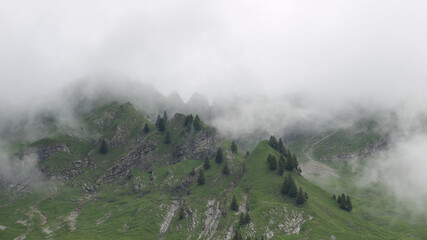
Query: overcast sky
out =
(354, 49)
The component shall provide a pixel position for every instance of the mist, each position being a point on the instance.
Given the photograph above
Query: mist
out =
(251, 69)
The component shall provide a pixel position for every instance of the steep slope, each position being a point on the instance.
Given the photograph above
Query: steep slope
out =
(143, 188)
(337, 160)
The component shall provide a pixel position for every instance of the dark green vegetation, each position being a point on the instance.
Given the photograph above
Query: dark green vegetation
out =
(145, 187)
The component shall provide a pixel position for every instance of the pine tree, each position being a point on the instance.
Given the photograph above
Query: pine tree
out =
(241, 219)
(343, 201)
(300, 197)
(206, 164)
(334, 197)
(281, 168)
(158, 120)
(339, 199)
(165, 117)
(193, 172)
(167, 138)
(161, 125)
(247, 154)
(219, 156)
(305, 196)
(237, 235)
(293, 191)
(197, 123)
(247, 218)
(288, 164)
(349, 205)
(286, 184)
(181, 213)
(234, 205)
(281, 146)
(294, 161)
(201, 178)
(103, 149)
(233, 147)
(225, 169)
(272, 162)
(146, 128)
(273, 142)
(188, 122)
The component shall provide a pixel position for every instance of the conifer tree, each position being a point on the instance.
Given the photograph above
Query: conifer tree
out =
(197, 123)
(247, 154)
(233, 147)
(219, 156)
(165, 117)
(300, 197)
(294, 161)
(234, 205)
(349, 205)
(168, 138)
(281, 146)
(206, 164)
(273, 142)
(288, 164)
(146, 128)
(339, 199)
(247, 218)
(305, 196)
(188, 122)
(237, 235)
(201, 178)
(103, 149)
(181, 213)
(272, 162)
(334, 197)
(241, 219)
(281, 168)
(193, 172)
(293, 191)
(158, 120)
(343, 201)
(286, 184)
(225, 169)
(161, 125)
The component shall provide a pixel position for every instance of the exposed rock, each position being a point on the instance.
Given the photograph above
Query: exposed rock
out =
(129, 161)
(168, 218)
(202, 144)
(46, 152)
(213, 215)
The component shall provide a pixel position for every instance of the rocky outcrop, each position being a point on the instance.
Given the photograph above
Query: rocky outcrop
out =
(46, 152)
(202, 144)
(213, 214)
(125, 164)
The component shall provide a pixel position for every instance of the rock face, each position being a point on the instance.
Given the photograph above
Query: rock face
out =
(202, 145)
(46, 152)
(130, 160)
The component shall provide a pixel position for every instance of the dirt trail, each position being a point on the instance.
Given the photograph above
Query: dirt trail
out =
(309, 152)
(313, 167)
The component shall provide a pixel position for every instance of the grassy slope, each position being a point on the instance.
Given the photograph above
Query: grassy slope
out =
(134, 206)
(328, 218)
(372, 202)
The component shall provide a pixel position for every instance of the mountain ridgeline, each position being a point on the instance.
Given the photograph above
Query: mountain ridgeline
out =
(120, 176)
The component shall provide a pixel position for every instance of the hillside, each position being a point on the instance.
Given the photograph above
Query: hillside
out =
(337, 159)
(142, 187)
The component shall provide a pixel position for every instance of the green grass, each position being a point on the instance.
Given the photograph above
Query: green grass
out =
(134, 205)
